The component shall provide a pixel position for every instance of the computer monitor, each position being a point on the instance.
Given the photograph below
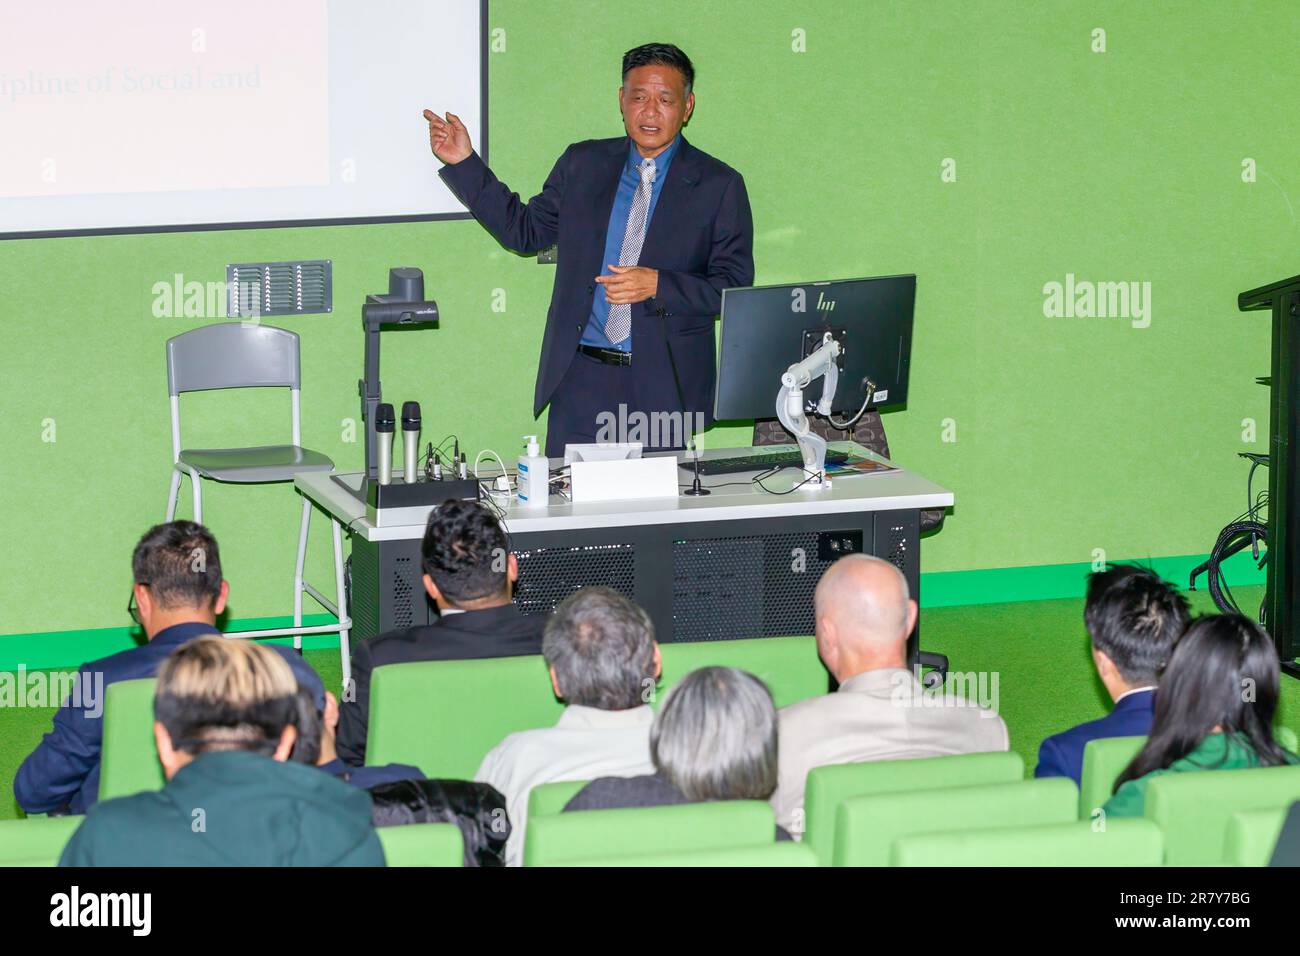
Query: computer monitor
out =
(766, 329)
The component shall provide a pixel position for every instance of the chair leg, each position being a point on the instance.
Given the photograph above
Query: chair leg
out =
(345, 650)
(173, 494)
(197, 483)
(298, 569)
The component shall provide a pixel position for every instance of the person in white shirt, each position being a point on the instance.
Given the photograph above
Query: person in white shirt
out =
(864, 615)
(604, 663)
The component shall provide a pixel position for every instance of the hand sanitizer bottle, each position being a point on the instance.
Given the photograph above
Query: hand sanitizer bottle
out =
(534, 478)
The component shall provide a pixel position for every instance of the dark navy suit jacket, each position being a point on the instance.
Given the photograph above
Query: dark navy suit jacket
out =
(63, 770)
(701, 239)
(1061, 755)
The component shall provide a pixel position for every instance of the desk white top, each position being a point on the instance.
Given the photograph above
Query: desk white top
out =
(734, 497)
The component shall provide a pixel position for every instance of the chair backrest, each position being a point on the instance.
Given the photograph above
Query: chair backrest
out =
(788, 665)
(444, 716)
(1194, 809)
(36, 842)
(128, 761)
(482, 701)
(422, 844)
(232, 355)
(830, 786)
(1105, 759)
(866, 827)
(1121, 843)
(773, 854)
(619, 834)
(547, 799)
(1252, 836)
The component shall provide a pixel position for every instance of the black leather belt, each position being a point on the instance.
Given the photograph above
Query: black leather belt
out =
(608, 356)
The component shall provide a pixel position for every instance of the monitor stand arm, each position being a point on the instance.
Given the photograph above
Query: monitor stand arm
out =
(790, 410)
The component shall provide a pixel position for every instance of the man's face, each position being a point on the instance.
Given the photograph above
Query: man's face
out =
(655, 106)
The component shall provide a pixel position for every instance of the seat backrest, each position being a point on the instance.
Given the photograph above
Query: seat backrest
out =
(1104, 760)
(866, 827)
(128, 762)
(36, 842)
(789, 666)
(422, 844)
(830, 786)
(781, 854)
(1194, 808)
(618, 834)
(1252, 836)
(232, 355)
(444, 716)
(1121, 843)
(546, 799)
(480, 702)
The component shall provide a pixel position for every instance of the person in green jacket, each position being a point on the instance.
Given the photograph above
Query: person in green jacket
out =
(224, 725)
(1214, 709)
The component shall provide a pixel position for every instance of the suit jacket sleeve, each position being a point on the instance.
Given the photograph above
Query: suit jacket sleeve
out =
(1051, 762)
(521, 227)
(731, 261)
(54, 772)
(354, 714)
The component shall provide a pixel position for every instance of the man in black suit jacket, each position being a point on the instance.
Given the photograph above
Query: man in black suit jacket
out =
(469, 573)
(636, 277)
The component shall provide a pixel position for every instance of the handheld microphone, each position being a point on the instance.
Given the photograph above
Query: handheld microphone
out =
(410, 440)
(384, 425)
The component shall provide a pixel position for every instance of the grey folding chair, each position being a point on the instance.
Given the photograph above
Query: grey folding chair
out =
(239, 355)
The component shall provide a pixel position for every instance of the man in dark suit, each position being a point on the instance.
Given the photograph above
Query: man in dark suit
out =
(1133, 619)
(177, 596)
(650, 231)
(469, 573)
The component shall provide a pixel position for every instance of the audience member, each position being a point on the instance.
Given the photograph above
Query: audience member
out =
(1214, 710)
(224, 726)
(177, 594)
(468, 572)
(604, 661)
(315, 747)
(1133, 619)
(864, 615)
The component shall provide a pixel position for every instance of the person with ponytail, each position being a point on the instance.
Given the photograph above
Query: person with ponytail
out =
(1214, 709)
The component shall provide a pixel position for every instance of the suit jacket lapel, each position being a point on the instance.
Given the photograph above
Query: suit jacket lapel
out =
(611, 171)
(683, 174)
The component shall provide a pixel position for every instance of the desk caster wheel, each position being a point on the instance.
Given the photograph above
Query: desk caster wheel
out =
(934, 680)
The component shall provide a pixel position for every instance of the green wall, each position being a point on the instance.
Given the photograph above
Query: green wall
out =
(1072, 434)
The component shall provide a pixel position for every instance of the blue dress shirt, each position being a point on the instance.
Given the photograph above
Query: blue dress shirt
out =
(594, 334)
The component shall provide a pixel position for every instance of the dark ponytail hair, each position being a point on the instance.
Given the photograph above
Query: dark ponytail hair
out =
(1204, 686)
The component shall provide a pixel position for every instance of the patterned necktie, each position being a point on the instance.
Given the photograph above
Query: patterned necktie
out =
(619, 324)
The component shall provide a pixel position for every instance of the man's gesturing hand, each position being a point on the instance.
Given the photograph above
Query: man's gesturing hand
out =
(629, 284)
(449, 139)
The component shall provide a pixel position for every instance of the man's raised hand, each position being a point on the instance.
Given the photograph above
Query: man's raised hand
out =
(448, 138)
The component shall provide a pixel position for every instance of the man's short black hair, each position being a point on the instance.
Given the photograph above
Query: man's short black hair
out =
(180, 564)
(659, 54)
(1134, 617)
(464, 551)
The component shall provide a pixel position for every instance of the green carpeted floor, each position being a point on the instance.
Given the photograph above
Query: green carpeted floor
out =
(1038, 651)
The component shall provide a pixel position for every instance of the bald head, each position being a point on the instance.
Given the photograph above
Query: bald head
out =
(864, 615)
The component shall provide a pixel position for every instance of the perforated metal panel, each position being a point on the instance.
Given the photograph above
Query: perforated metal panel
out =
(896, 552)
(548, 575)
(729, 588)
(406, 577)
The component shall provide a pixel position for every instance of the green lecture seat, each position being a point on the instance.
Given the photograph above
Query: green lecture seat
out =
(1195, 809)
(774, 854)
(1252, 836)
(617, 834)
(866, 827)
(549, 798)
(129, 759)
(830, 786)
(422, 844)
(481, 702)
(1105, 759)
(1122, 843)
(36, 842)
